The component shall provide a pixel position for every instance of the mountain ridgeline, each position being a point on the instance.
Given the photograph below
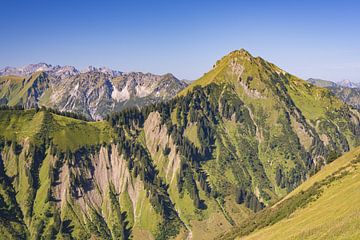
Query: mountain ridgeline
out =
(227, 146)
(93, 92)
(347, 91)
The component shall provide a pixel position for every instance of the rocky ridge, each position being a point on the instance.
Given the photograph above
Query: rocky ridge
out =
(93, 92)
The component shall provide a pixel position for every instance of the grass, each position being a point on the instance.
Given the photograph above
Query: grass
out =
(19, 91)
(235, 140)
(146, 218)
(19, 125)
(45, 99)
(320, 208)
(41, 195)
(237, 212)
(41, 202)
(183, 204)
(67, 133)
(11, 87)
(192, 135)
(334, 215)
(173, 116)
(17, 98)
(23, 183)
(71, 212)
(313, 101)
(214, 75)
(210, 227)
(127, 206)
(325, 172)
(278, 142)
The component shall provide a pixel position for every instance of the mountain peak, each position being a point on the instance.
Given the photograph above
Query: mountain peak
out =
(104, 70)
(347, 83)
(321, 82)
(237, 65)
(26, 70)
(236, 55)
(241, 52)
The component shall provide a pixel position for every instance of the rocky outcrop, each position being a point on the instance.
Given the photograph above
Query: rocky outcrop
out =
(157, 141)
(93, 92)
(87, 185)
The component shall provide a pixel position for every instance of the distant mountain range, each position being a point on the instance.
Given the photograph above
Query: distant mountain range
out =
(56, 70)
(327, 83)
(346, 90)
(348, 84)
(93, 92)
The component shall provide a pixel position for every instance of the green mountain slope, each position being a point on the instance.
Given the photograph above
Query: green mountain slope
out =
(25, 91)
(283, 126)
(68, 178)
(350, 95)
(233, 142)
(324, 207)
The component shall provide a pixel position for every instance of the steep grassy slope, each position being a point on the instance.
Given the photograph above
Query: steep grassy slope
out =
(283, 127)
(66, 178)
(350, 95)
(235, 141)
(261, 130)
(25, 91)
(330, 210)
(66, 133)
(245, 134)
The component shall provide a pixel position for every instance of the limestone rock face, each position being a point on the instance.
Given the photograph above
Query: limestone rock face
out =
(93, 92)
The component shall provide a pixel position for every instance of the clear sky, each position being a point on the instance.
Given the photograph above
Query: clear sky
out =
(307, 38)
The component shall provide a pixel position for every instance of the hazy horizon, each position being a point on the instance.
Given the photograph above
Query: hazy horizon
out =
(307, 39)
(125, 71)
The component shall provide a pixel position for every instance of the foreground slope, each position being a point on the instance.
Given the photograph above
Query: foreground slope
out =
(331, 211)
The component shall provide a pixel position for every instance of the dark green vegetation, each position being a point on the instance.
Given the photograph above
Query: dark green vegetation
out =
(284, 209)
(322, 207)
(233, 142)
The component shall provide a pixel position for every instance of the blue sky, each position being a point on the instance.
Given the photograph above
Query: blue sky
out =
(307, 38)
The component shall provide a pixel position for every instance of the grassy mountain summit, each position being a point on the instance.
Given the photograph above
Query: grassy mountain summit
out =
(230, 144)
(295, 124)
(258, 79)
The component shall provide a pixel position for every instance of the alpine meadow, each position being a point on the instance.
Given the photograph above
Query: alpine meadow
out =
(246, 151)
